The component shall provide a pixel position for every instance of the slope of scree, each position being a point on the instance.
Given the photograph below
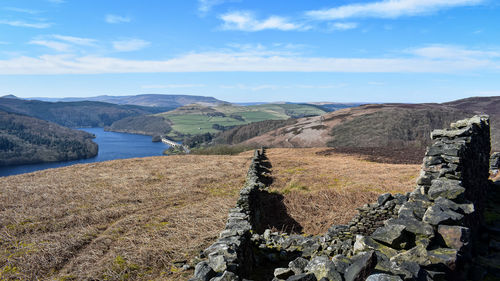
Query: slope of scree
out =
(436, 232)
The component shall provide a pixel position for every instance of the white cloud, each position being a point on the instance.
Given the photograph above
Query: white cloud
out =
(116, 19)
(129, 45)
(388, 9)
(55, 45)
(452, 52)
(246, 21)
(21, 10)
(205, 6)
(173, 86)
(343, 25)
(18, 23)
(75, 40)
(237, 60)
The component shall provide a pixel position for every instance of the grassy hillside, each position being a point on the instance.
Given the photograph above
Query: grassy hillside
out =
(26, 140)
(200, 119)
(143, 124)
(75, 114)
(169, 101)
(139, 219)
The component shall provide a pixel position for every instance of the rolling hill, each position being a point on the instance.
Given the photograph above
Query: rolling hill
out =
(198, 119)
(26, 140)
(75, 114)
(155, 100)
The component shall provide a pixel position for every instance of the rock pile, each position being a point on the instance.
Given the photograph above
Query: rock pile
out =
(423, 235)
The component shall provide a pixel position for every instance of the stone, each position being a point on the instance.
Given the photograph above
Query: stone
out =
(298, 265)
(203, 271)
(392, 235)
(455, 237)
(302, 277)
(267, 234)
(437, 214)
(414, 209)
(362, 267)
(383, 277)
(283, 273)
(226, 276)
(413, 225)
(447, 188)
(322, 267)
(495, 161)
(364, 244)
(384, 198)
(451, 133)
(341, 263)
(444, 256)
(217, 262)
(467, 208)
(417, 254)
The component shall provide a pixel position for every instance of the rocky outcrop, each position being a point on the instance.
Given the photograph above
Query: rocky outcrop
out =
(427, 234)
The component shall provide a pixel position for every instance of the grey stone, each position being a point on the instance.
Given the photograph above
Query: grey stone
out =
(444, 256)
(341, 263)
(450, 133)
(436, 214)
(413, 225)
(298, 265)
(384, 198)
(417, 254)
(392, 235)
(364, 244)
(283, 273)
(302, 277)
(383, 277)
(447, 188)
(362, 267)
(217, 262)
(467, 208)
(322, 267)
(226, 276)
(267, 234)
(203, 271)
(455, 237)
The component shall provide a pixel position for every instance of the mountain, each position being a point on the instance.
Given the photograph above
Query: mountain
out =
(332, 106)
(375, 125)
(25, 139)
(196, 119)
(156, 100)
(76, 114)
(9, 97)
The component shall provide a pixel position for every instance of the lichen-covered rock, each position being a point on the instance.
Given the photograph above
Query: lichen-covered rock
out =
(322, 267)
(364, 244)
(283, 273)
(298, 265)
(382, 199)
(203, 271)
(444, 256)
(447, 188)
(217, 262)
(417, 254)
(226, 276)
(392, 235)
(302, 277)
(383, 277)
(341, 263)
(455, 237)
(362, 267)
(413, 225)
(437, 214)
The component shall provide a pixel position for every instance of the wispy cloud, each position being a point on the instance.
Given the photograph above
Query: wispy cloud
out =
(55, 45)
(246, 21)
(173, 86)
(388, 9)
(22, 10)
(453, 52)
(205, 6)
(75, 40)
(235, 60)
(116, 19)
(129, 45)
(343, 25)
(19, 23)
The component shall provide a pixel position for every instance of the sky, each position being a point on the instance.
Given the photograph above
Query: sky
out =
(252, 50)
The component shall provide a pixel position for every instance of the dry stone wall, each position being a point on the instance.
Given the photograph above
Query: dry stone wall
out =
(427, 234)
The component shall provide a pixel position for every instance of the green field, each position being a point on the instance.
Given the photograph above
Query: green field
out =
(199, 119)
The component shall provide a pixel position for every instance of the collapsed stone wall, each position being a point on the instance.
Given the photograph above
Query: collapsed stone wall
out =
(423, 235)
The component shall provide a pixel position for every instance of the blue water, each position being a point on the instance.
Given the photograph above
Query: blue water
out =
(111, 146)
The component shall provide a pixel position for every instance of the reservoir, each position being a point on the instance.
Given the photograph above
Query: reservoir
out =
(111, 146)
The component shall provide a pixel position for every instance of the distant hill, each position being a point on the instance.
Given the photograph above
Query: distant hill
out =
(199, 119)
(333, 106)
(155, 100)
(76, 114)
(376, 125)
(26, 140)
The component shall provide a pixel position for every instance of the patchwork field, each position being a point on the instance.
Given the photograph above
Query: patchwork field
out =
(140, 219)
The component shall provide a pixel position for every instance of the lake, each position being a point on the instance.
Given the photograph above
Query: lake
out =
(111, 146)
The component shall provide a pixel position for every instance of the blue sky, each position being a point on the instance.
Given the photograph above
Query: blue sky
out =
(243, 51)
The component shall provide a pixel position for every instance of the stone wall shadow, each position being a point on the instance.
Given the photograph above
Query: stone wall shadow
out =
(274, 215)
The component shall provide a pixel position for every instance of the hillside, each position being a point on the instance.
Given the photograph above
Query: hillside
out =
(379, 125)
(155, 100)
(198, 119)
(75, 114)
(26, 140)
(153, 215)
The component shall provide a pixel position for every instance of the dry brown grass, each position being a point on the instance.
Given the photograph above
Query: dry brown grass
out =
(132, 219)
